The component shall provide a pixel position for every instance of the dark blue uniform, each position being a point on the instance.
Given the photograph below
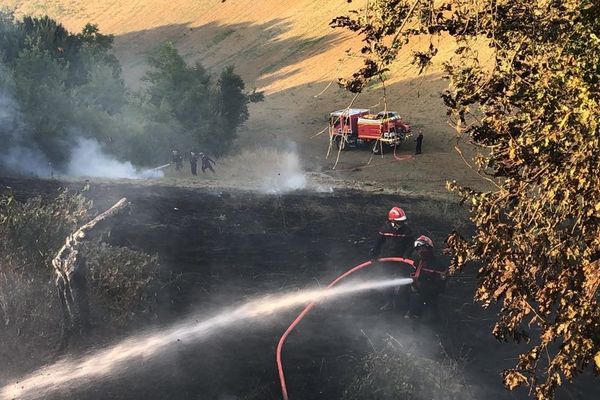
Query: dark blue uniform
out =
(395, 242)
(430, 282)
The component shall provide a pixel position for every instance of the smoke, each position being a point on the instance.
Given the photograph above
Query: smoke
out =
(89, 160)
(20, 154)
(26, 160)
(267, 169)
(285, 174)
(270, 170)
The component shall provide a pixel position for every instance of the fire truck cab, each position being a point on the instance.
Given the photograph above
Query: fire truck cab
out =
(357, 127)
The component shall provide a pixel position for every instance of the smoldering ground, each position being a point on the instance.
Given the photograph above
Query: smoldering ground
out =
(264, 169)
(68, 374)
(229, 245)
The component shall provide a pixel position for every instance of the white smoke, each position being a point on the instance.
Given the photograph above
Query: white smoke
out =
(89, 160)
(27, 160)
(17, 152)
(287, 175)
(267, 169)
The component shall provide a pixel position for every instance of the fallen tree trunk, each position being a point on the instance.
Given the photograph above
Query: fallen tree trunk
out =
(71, 273)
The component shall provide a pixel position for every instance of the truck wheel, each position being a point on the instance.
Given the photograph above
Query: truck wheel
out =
(340, 143)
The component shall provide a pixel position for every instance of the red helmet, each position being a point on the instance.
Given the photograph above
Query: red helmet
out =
(396, 214)
(423, 241)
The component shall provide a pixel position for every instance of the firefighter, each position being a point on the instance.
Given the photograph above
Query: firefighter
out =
(429, 280)
(194, 163)
(177, 159)
(419, 140)
(395, 239)
(206, 162)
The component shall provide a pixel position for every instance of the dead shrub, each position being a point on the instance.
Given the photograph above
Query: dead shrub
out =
(391, 373)
(31, 233)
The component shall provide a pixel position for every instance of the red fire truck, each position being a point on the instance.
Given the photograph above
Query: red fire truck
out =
(356, 127)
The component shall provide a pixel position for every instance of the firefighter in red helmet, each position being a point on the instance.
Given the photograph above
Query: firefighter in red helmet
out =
(395, 239)
(429, 280)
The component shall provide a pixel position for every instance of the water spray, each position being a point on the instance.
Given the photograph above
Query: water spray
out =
(71, 373)
(310, 306)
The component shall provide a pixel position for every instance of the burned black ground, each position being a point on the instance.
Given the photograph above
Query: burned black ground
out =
(218, 248)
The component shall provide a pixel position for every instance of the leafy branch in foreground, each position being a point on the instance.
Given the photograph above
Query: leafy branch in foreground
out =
(533, 110)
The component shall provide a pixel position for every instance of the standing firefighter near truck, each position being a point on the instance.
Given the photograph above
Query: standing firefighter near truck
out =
(395, 239)
(429, 280)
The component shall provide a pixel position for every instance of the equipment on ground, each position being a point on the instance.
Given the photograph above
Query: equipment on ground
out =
(356, 127)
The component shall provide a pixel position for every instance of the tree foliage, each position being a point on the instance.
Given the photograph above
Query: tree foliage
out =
(209, 113)
(62, 85)
(533, 110)
(59, 84)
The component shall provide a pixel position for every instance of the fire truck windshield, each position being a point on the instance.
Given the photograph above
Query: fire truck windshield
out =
(383, 115)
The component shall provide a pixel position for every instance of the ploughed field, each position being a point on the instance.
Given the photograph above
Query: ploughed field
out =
(219, 248)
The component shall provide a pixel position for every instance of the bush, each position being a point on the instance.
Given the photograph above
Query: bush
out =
(31, 233)
(393, 374)
(121, 281)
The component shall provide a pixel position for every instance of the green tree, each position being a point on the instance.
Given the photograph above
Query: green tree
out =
(44, 102)
(48, 35)
(533, 110)
(64, 85)
(210, 114)
(233, 105)
(9, 38)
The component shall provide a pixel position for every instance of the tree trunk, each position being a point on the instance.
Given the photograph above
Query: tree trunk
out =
(71, 274)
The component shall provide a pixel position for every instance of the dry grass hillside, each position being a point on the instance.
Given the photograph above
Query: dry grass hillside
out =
(286, 48)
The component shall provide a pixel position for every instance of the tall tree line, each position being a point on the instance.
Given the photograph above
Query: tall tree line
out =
(56, 85)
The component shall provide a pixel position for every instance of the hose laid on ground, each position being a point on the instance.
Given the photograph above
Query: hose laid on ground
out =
(311, 305)
(404, 157)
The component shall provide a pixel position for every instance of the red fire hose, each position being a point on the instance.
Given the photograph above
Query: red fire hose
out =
(404, 157)
(310, 306)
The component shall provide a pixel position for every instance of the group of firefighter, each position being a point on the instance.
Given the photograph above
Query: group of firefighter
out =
(207, 162)
(397, 240)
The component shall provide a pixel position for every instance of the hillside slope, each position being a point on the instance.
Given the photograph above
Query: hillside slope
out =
(287, 49)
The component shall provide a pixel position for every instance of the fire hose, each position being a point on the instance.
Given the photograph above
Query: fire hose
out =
(311, 305)
(159, 168)
(404, 157)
